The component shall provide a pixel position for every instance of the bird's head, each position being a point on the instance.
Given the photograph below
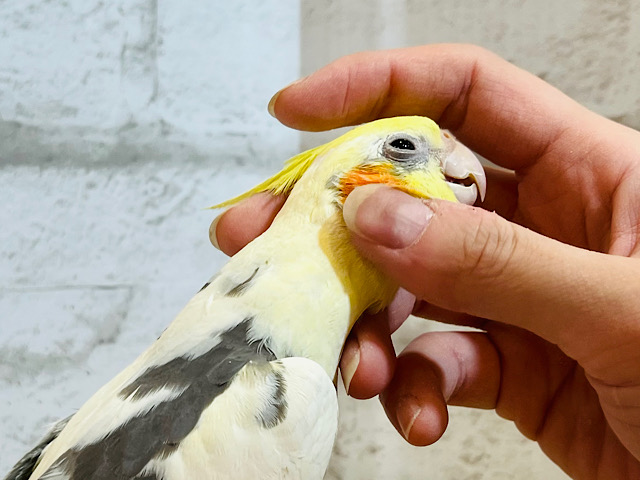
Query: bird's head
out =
(411, 154)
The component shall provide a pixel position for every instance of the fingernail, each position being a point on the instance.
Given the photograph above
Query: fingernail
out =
(271, 107)
(212, 231)
(272, 104)
(386, 216)
(408, 411)
(349, 363)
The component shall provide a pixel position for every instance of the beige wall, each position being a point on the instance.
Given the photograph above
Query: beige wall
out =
(589, 49)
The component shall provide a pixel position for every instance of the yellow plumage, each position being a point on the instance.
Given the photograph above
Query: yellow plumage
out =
(283, 181)
(421, 183)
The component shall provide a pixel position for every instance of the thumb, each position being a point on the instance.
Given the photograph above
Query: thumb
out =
(473, 261)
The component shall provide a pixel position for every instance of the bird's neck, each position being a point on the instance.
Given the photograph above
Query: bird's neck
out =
(329, 283)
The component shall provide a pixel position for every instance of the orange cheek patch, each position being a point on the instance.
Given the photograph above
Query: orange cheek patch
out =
(365, 175)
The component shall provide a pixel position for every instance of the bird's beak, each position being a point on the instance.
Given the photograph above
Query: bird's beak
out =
(463, 172)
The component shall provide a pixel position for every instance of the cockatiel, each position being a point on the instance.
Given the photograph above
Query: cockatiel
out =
(241, 384)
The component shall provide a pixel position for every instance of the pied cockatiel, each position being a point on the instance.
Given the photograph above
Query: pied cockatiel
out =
(241, 384)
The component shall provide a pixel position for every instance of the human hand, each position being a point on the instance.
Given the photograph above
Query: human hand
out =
(551, 278)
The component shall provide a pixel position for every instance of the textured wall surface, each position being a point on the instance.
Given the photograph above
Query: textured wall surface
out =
(121, 120)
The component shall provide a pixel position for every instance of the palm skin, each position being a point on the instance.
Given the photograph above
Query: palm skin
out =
(557, 301)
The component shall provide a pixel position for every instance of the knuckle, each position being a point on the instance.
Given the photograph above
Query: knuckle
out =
(490, 250)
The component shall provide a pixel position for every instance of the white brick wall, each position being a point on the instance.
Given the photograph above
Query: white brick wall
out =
(119, 123)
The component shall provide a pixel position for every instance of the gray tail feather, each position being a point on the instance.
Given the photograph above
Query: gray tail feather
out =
(27, 464)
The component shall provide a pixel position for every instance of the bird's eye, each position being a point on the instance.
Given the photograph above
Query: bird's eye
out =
(402, 148)
(403, 144)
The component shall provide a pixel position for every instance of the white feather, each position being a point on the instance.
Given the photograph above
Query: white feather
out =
(231, 443)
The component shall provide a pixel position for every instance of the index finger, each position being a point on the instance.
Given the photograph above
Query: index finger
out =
(501, 111)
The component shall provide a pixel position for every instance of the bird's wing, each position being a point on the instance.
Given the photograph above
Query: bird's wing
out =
(149, 408)
(277, 420)
(271, 420)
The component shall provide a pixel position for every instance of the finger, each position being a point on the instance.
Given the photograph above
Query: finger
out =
(368, 357)
(497, 109)
(400, 308)
(525, 379)
(413, 401)
(502, 192)
(233, 229)
(433, 312)
(466, 363)
(472, 261)
(437, 369)
(507, 369)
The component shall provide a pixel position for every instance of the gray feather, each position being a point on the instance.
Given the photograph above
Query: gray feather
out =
(125, 451)
(275, 409)
(239, 289)
(27, 464)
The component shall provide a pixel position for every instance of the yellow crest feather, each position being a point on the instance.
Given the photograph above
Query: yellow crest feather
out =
(282, 182)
